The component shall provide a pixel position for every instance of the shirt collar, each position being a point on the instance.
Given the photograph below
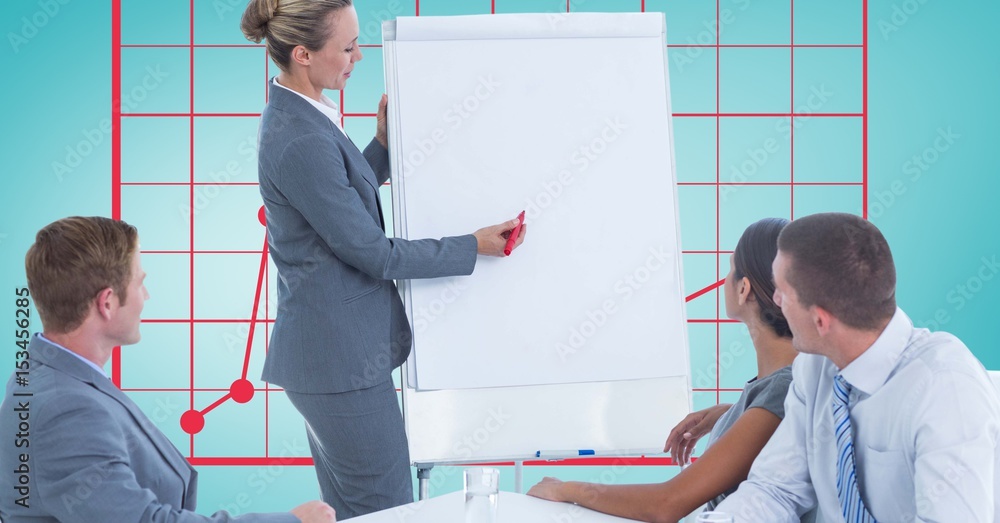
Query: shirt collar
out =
(325, 105)
(869, 371)
(81, 358)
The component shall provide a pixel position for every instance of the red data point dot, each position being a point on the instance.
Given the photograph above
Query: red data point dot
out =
(241, 391)
(192, 422)
(261, 217)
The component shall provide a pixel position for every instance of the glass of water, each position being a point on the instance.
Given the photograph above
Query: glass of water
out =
(482, 490)
(714, 517)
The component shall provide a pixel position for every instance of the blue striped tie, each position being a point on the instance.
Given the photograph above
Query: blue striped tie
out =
(851, 503)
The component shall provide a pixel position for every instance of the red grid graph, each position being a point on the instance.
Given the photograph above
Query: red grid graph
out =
(242, 390)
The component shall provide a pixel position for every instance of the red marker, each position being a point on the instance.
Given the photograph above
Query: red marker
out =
(514, 233)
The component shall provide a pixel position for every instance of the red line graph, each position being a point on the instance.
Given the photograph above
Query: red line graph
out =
(242, 390)
(185, 184)
(185, 46)
(573, 462)
(199, 251)
(116, 147)
(191, 232)
(493, 10)
(706, 290)
(791, 97)
(168, 389)
(372, 115)
(718, 191)
(864, 111)
(191, 113)
(256, 304)
(766, 115)
(204, 320)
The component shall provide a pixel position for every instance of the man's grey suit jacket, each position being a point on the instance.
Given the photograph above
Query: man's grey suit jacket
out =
(340, 323)
(93, 456)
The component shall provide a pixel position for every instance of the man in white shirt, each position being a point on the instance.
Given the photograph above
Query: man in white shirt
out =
(883, 421)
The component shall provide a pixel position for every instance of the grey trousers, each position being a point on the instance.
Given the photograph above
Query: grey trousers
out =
(359, 446)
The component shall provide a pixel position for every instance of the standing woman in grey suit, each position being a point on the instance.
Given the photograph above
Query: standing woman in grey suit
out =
(340, 329)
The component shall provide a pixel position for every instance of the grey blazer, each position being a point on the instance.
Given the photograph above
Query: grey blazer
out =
(340, 324)
(93, 456)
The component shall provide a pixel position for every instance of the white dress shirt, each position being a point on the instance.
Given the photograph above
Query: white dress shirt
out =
(926, 422)
(77, 356)
(325, 105)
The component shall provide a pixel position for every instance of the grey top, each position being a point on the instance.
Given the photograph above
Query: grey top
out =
(340, 324)
(91, 454)
(767, 393)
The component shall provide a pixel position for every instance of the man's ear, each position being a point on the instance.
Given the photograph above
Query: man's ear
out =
(105, 303)
(822, 319)
(743, 289)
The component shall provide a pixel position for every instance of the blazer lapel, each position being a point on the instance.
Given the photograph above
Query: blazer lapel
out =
(347, 145)
(282, 99)
(166, 449)
(57, 358)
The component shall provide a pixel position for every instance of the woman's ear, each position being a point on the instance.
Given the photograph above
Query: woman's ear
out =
(300, 55)
(743, 288)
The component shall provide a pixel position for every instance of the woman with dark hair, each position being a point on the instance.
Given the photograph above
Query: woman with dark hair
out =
(738, 431)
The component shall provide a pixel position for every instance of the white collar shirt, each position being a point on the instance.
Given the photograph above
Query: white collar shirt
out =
(325, 105)
(75, 355)
(926, 425)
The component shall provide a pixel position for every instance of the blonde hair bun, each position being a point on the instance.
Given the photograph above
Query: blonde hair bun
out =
(256, 17)
(294, 23)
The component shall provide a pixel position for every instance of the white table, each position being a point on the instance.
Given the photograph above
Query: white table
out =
(512, 508)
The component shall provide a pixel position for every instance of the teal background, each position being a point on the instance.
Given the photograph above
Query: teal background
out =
(932, 68)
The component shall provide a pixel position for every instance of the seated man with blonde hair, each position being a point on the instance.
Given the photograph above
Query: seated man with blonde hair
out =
(88, 453)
